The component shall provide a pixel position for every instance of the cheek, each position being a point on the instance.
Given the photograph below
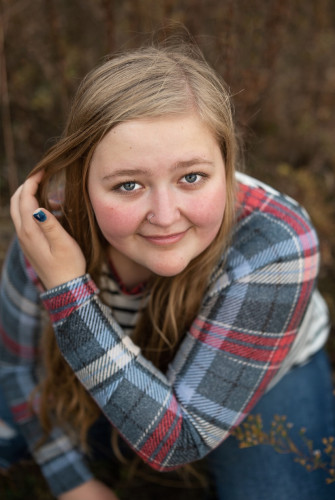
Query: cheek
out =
(114, 221)
(209, 209)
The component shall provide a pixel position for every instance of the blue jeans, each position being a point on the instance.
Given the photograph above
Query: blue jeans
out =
(305, 396)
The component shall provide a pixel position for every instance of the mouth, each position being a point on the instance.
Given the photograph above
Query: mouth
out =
(168, 239)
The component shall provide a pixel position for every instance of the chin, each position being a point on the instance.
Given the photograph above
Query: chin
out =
(168, 271)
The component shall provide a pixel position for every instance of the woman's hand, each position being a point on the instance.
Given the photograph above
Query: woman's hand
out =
(92, 490)
(53, 253)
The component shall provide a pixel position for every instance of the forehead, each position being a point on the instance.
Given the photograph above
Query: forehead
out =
(166, 135)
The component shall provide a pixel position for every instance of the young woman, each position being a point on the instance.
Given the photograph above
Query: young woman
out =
(181, 296)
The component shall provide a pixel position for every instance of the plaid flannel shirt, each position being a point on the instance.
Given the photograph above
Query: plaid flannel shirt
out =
(248, 321)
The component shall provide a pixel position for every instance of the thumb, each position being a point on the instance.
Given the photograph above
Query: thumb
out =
(48, 223)
(40, 215)
(55, 256)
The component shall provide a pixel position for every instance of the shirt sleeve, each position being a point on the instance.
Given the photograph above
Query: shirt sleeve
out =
(20, 328)
(244, 330)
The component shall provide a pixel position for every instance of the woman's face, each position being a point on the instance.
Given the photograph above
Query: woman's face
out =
(171, 167)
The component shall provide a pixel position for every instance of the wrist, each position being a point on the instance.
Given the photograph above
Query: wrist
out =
(62, 300)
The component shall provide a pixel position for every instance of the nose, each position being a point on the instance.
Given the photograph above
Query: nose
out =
(165, 207)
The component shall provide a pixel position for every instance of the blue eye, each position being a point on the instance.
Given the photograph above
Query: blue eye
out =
(194, 178)
(191, 178)
(128, 186)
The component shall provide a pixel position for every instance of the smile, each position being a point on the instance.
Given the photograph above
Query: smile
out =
(165, 239)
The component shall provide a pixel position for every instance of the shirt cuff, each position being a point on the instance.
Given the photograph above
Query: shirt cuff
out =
(62, 300)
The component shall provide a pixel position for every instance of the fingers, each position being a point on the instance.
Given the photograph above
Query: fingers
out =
(23, 202)
(14, 208)
(57, 258)
(38, 176)
(28, 202)
(22, 205)
(53, 253)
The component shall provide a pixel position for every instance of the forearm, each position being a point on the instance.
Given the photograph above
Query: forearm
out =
(244, 331)
(178, 419)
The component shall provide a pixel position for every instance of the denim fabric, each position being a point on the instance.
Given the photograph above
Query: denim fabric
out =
(305, 396)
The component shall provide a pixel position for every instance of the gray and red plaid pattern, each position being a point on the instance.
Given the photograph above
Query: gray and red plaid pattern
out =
(247, 324)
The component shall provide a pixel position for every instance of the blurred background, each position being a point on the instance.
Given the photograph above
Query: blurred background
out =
(277, 56)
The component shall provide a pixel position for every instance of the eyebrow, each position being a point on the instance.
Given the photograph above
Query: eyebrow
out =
(122, 172)
(193, 161)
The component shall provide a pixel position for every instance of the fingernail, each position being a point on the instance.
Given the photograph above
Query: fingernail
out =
(40, 215)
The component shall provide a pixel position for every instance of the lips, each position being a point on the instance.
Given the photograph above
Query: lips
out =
(165, 239)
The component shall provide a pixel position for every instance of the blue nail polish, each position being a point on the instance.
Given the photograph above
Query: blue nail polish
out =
(40, 216)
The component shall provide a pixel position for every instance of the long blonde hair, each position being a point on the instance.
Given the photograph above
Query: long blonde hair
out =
(152, 81)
